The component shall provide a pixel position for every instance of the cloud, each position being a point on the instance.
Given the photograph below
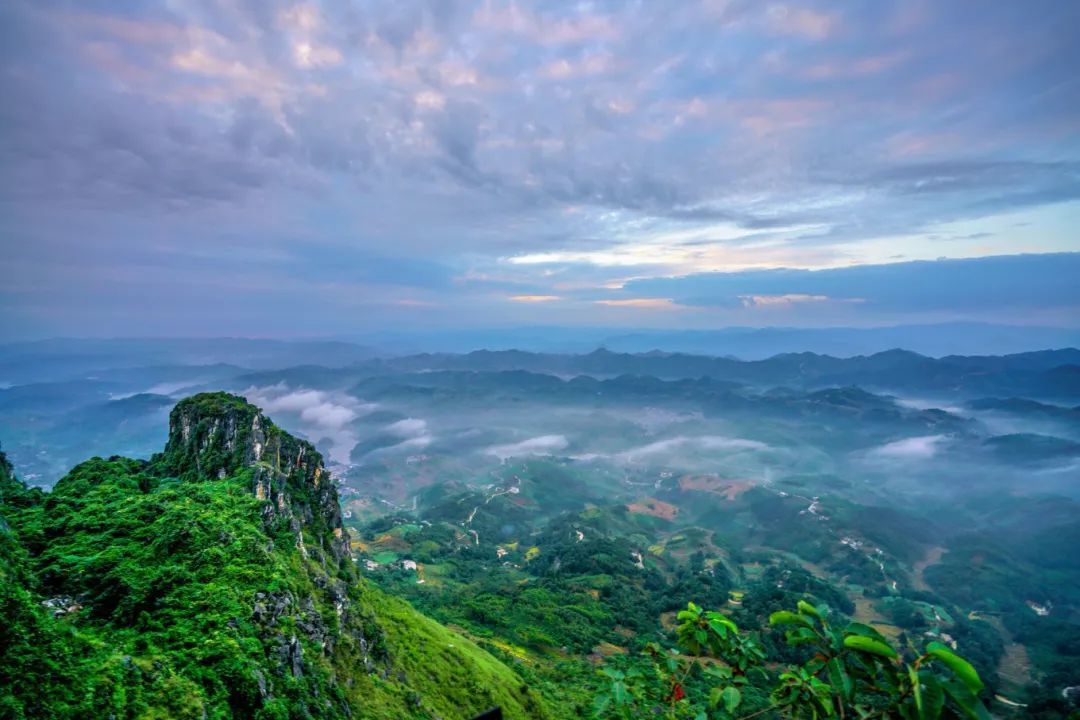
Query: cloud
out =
(534, 298)
(682, 446)
(168, 388)
(408, 428)
(320, 414)
(327, 414)
(988, 285)
(701, 443)
(415, 436)
(407, 446)
(413, 443)
(542, 445)
(641, 303)
(653, 419)
(340, 165)
(914, 448)
(922, 404)
(804, 22)
(279, 397)
(783, 300)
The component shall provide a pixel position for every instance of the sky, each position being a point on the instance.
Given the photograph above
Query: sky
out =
(269, 168)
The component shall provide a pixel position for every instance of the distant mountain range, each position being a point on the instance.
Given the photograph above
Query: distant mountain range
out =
(80, 358)
(1043, 374)
(161, 366)
(76, 358)
(748, 343)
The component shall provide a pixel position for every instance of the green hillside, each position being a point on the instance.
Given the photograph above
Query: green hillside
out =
(215, 581)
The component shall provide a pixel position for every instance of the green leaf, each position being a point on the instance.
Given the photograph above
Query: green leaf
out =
(786, 617)
(808, 609)
(933, 696)
(722, 672)
(857, 628)
(916, 688)
(720, 617)
(732, 698)
(869, 645)
(618, 693)
(960, 667)
(692, 612)
(966, 701)
(601, 703)
(800, 636)
(840, 679)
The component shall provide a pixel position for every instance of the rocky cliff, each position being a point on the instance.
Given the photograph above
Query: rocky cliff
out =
(215, 581)
(216, 435)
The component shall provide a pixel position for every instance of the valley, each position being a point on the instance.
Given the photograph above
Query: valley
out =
(558, 519)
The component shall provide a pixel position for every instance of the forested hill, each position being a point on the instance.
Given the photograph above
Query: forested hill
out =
(214, 581)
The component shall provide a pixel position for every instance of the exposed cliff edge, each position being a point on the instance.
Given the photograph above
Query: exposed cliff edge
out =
(215, 581)
(216, 435)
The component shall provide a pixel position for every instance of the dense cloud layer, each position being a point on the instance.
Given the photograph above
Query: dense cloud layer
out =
(345, 167)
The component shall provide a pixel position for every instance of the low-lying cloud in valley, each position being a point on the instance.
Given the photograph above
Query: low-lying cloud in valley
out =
(702, 443)
(913, 448)
(682, 450)
(653, 419)
(408, 428)
(322, 415)
(543, 445)
(415, 433)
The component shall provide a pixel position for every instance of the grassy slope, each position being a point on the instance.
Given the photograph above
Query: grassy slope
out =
(446, 667)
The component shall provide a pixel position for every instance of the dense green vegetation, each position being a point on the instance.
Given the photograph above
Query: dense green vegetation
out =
(600, 586)
(577, 593)
(170, 589)
(569, 597)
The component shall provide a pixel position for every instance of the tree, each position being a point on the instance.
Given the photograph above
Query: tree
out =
(853, 672)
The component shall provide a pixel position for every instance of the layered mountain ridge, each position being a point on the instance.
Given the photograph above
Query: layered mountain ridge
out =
(1048, 374)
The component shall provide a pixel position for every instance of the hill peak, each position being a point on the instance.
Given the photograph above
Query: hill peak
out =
(212, 435)
(218, 435)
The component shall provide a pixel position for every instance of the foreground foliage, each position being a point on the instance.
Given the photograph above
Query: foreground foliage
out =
(852, 671)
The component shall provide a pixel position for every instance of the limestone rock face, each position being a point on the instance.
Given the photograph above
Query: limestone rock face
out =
(216, 435)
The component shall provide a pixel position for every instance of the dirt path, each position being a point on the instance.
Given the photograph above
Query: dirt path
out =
(932, 557)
